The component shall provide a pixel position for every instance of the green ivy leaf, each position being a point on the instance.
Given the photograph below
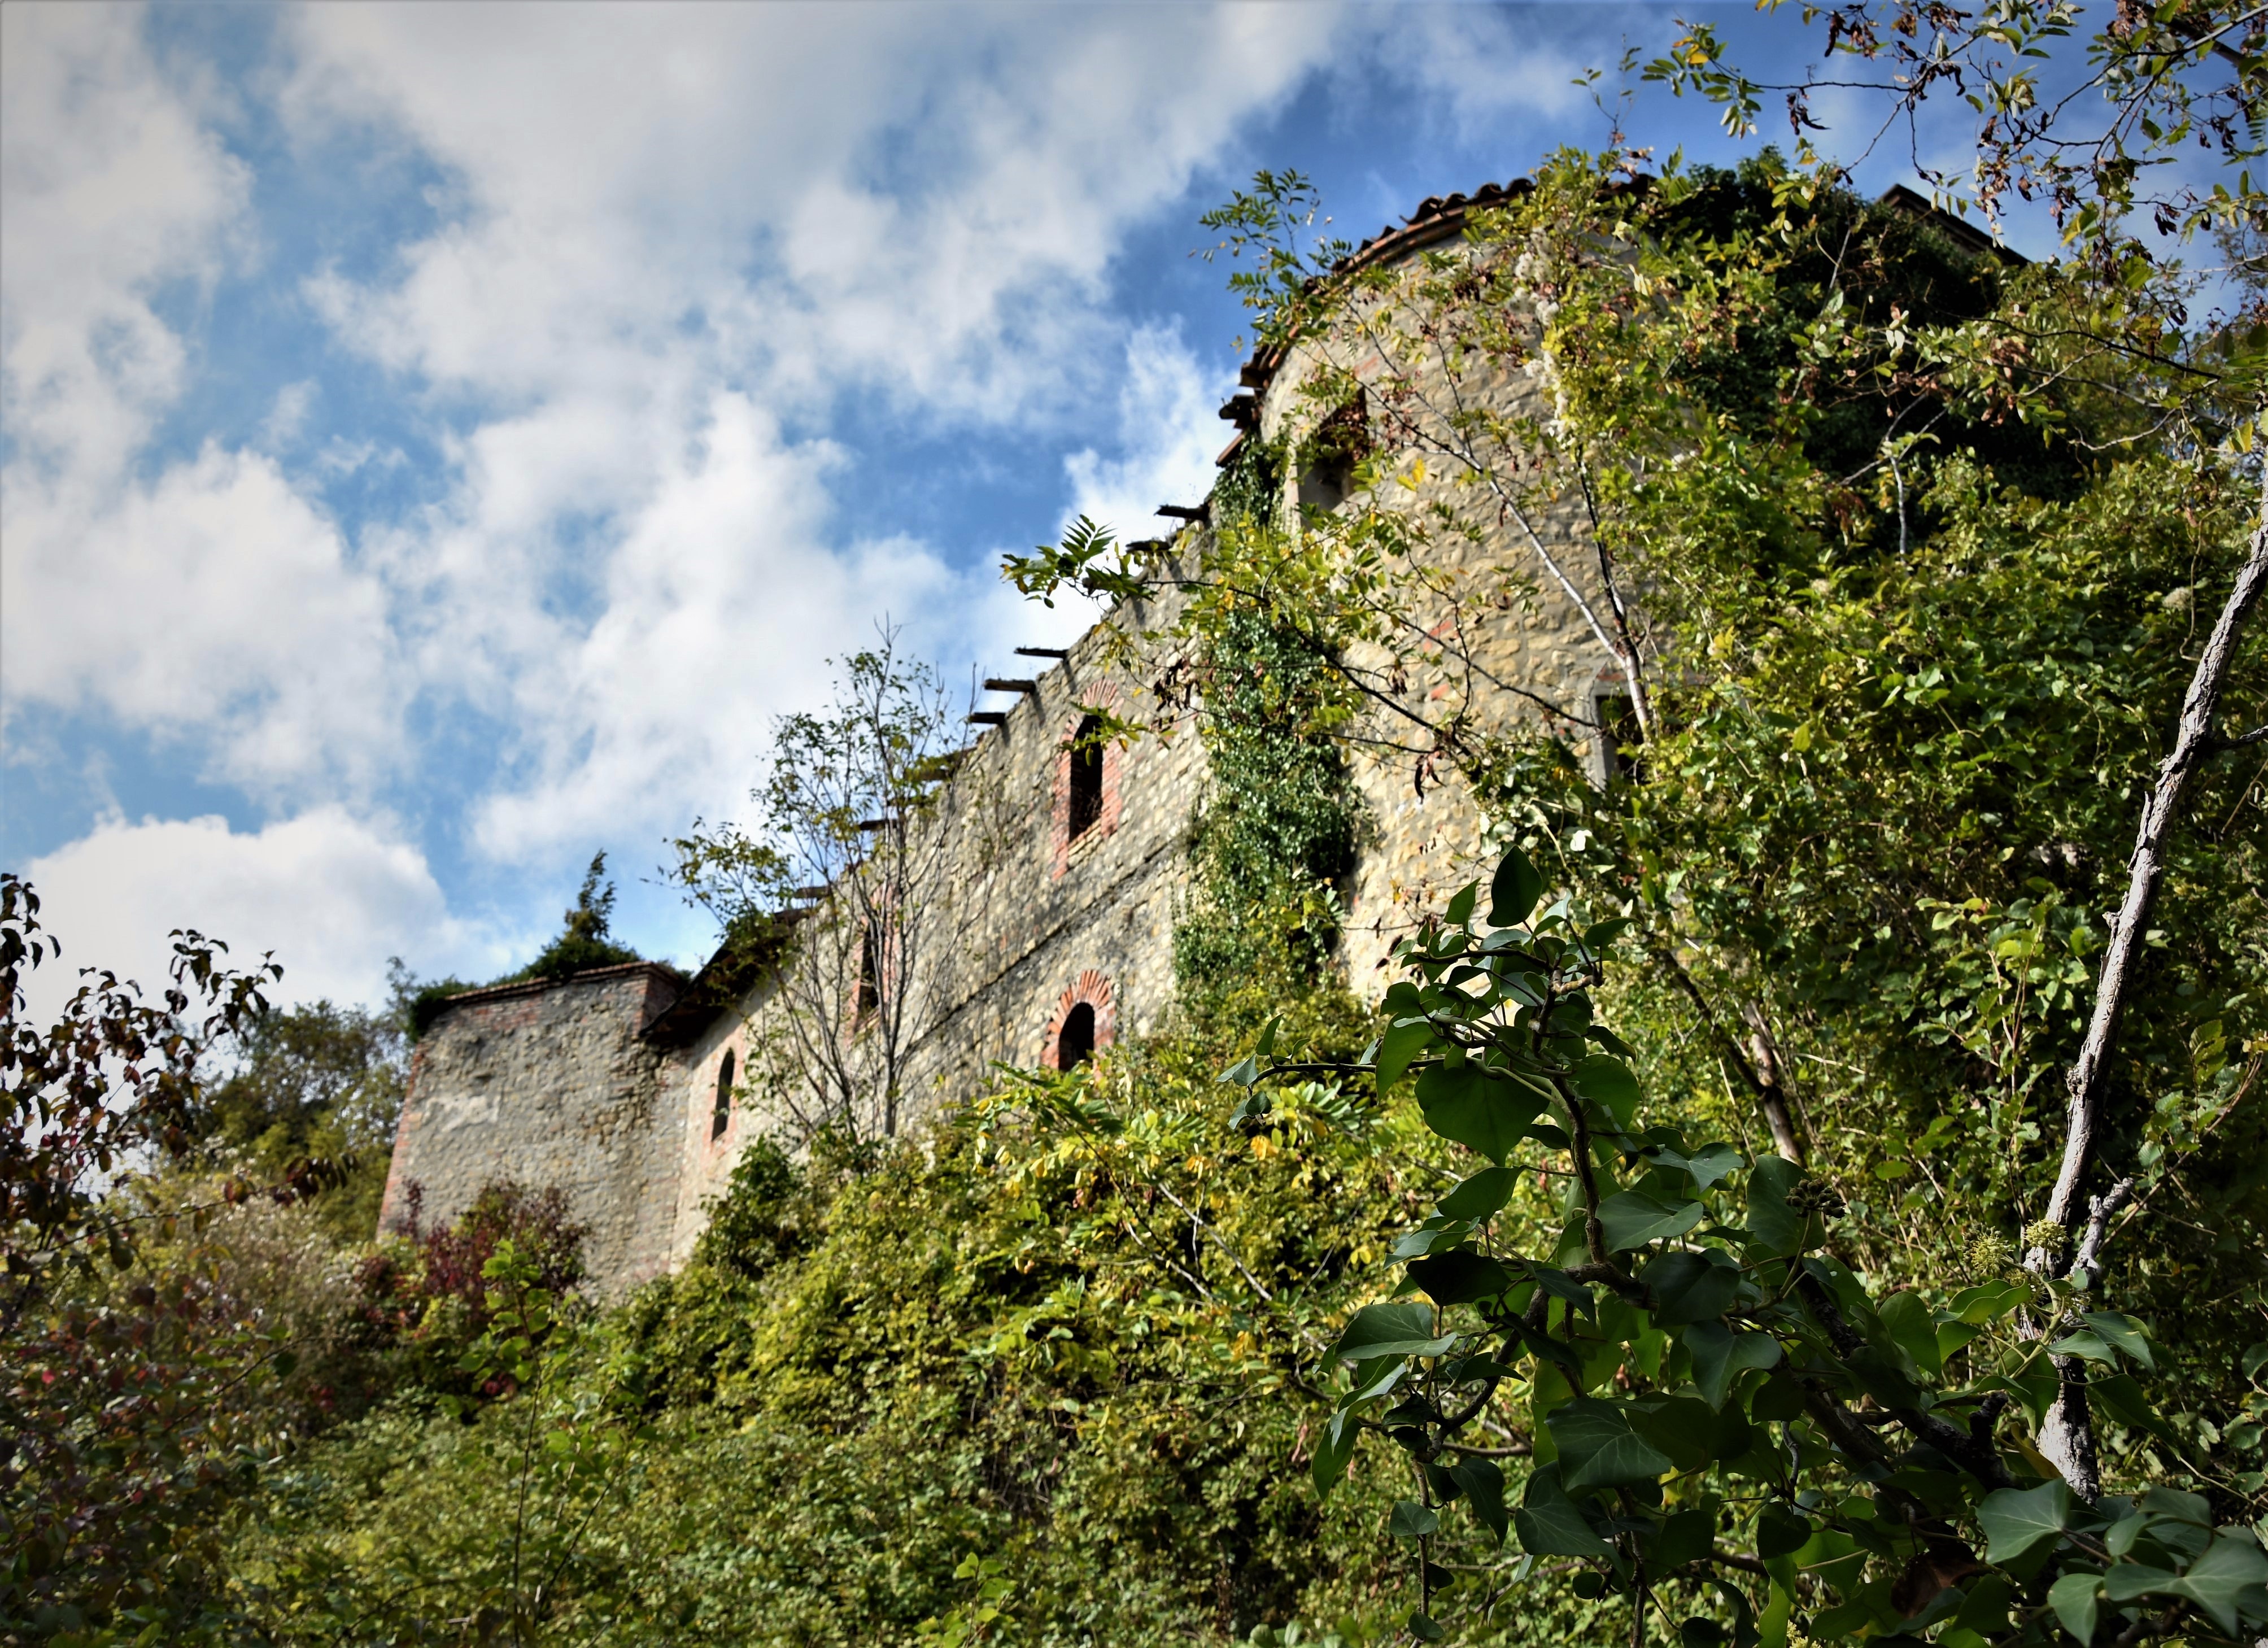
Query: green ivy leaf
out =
(1461, 905)
(1480, 1196)
(1598, 1449)
(1482, 1482)
(1399, 1045)
(1513, 890)
(1913, 1328)
(1988, 1302)
(1632, 1218)
(1689, 1287)
(1411, 1521)
(1774, 1226)
(2124, 1333)
(2230, 1580)
(1608, 1082)
(2018, 1519)
(1401, 1328)
(1550, 1524)
(1333, 1450)
(2076, 1598)
(1719, 1356)
(1486, 1113)
(1460, 1277)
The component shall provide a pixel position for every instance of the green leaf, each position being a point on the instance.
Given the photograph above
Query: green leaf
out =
(1776, 1226)
(1781, 1532)
(1333, 1450)
(2229, 1580)
(1482, 1482)
(1484, 1111)
(1460, 1277)
(1632, 1218)
(1425, 1627)
(1513, 890)
(1402, 1328)
(1550, 1524)
(1460, 904)
(1988, 1302)
(1244, 1072)
(1688, 1287)
(2083, 1344)
(2076, 1598)
(1399, 1045)
(1719, 1356)
(1712, 1163)
(2123, 1332)
(1598, 1449)
(2120, 1398)
(2017, 1520)
(1480, 1196)
(1680, 1426)
(1684, 1538)
(1913, 1328)
(1412, 1520)
(1608, 1082)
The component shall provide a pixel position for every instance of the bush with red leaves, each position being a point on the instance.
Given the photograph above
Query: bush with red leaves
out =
(425, 1290)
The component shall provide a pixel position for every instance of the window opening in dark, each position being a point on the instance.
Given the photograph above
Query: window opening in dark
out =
(723, 1114)
(869, 998)
(1618, 726)
(1085, 776)
(1075, 1043)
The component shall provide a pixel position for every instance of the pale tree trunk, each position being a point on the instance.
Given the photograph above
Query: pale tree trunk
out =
(2067, 1439)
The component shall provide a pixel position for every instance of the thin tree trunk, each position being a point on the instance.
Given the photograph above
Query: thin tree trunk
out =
(2068, 1437)
(1772, 1092)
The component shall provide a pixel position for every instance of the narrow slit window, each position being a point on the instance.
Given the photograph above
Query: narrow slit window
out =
(1087, 776)
(721, 1116)
(868, 1001)
(1075, 1042)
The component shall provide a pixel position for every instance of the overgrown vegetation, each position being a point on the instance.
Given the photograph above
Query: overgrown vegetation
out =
(1791, 1308)
(585, 942)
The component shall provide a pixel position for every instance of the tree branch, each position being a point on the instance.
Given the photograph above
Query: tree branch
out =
(2192, 740)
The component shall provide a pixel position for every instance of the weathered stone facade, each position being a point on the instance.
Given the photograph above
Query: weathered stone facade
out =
(600, 1086)
(550, 1083)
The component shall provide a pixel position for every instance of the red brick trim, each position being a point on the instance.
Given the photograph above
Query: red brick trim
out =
(1114, 761)
(1092, 989)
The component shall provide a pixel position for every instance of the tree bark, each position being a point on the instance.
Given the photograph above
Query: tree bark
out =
(2068, 1438)
(2193, 742)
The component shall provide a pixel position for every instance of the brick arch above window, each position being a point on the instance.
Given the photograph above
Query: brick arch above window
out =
(1093, 991)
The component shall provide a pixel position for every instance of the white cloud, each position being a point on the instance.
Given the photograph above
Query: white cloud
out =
(112, 186)
(212, 603)
(782, 212)
(1170, 432)
(206, 602)
(331, 894)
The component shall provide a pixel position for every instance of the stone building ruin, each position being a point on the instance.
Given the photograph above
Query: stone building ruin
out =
(620, 1086)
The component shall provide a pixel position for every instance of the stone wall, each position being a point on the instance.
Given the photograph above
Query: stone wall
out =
(583, 1085)
(549, 1084)
(1038, 922)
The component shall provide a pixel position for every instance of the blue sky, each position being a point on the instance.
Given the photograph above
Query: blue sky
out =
(436, 440)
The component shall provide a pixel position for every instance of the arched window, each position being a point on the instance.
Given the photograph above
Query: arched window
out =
(1085, 776)
(1075, 1042)
(719, 1118)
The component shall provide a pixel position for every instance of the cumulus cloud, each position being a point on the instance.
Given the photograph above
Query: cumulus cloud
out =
(211, 603)
(1169, 433)
(333, 896)
(205, 599)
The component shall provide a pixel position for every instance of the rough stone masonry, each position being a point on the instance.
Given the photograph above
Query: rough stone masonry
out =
(607, 1085)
